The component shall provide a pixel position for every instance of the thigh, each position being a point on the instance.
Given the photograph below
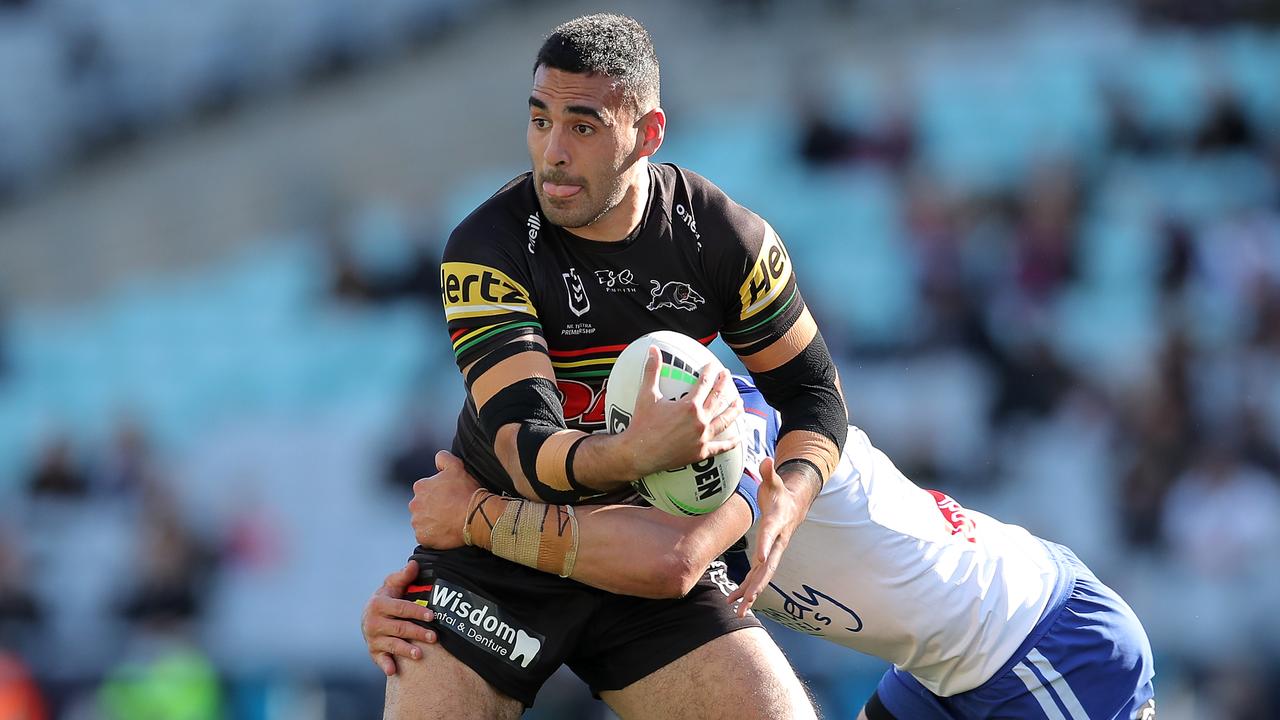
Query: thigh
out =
(441, 687)
(739, 676)
(629, 638)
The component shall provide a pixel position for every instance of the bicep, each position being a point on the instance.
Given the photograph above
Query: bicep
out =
(775, 351)
(777, 339)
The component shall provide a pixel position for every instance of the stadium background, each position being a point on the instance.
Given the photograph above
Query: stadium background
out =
(1042, 239)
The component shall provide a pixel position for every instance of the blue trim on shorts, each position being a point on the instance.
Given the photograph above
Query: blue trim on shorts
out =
(1086, 655)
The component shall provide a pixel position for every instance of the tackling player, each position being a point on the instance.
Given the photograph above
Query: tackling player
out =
(980, 618)
(543, 285)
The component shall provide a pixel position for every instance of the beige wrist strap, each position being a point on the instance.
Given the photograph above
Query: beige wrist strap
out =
(533, 534)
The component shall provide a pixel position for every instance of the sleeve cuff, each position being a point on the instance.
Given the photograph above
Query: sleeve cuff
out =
(748, 488)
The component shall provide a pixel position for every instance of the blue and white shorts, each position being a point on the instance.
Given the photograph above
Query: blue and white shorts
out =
(1088, 658)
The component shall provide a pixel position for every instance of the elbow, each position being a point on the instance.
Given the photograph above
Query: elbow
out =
(675, 575)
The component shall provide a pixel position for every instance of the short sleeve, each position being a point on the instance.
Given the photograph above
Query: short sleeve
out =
(486, 291)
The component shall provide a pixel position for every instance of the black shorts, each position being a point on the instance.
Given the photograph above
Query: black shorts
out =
(515, 626)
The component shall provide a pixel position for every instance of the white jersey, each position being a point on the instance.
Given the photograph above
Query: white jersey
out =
(908, 575)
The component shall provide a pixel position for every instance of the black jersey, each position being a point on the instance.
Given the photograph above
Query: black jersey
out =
(698, 263)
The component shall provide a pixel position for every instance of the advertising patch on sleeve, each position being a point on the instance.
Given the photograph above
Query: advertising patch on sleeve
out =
(470, 290)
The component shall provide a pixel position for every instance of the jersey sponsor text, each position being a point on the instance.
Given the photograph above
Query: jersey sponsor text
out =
(471, 290)
(768, 277)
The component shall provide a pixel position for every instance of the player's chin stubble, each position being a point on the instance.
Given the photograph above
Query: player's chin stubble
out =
(563, 212)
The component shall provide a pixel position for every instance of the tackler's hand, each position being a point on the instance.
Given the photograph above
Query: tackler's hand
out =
(781, 512)
(385, 622)
(439, 505)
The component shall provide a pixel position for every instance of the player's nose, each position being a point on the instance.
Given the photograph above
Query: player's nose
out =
(555, 153)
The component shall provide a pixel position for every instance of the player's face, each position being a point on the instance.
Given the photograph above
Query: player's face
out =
(583, 141)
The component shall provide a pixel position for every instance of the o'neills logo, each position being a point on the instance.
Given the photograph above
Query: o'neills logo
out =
(480, 621)
(534, 225)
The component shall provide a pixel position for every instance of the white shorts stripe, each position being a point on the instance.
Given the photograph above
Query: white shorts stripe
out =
(1059, 684)
(1038, 691)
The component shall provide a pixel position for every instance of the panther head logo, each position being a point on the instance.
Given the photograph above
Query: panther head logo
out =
(673, 295)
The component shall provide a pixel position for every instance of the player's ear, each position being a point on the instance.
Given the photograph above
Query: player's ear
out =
(651, 128)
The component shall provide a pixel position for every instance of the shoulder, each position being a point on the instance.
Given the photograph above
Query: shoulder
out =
(704, 196)
(721, 224)
(498, 225)
(485, 264)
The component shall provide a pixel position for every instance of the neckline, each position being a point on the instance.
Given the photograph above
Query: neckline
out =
(600, 246)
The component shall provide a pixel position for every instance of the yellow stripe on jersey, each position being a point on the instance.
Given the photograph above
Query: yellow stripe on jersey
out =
(471, 290)
(785, 348)
(582, 363)
(768, 277)
(807, 445)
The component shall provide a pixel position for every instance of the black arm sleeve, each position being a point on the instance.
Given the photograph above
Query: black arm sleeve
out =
(806, 392)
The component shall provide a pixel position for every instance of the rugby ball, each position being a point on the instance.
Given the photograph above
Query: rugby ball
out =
(694, 489)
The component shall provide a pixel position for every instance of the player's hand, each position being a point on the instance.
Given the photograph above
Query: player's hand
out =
(782, 509)
(385, 622)
(667, 434)
(439, 504)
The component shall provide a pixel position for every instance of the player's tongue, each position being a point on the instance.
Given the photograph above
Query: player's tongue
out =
(560, 191)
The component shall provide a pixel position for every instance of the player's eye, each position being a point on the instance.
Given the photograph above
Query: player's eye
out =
(583, 129)
(540, 123)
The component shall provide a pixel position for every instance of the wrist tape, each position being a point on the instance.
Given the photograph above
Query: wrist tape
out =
(543, 537)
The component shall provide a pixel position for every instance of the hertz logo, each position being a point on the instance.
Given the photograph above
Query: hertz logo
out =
(768, 277)
(471, 290)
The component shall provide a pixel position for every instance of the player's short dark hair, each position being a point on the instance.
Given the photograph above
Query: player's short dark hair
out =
(615, 46)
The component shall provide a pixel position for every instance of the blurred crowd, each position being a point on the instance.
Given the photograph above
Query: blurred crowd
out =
(1193, 434)
(1033, 282)
(83, 80)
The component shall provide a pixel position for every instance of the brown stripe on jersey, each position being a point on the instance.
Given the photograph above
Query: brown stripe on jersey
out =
(807, 445)
(782, 350)
(514, 346)
(551, 467)
(528, 364)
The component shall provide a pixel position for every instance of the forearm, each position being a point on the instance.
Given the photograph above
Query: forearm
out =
(646, 552)
(607, 462)
(548, 461)
(624, 549)
(574, 462)
(634, 550)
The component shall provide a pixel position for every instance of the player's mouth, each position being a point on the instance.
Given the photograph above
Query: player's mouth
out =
(560, 191)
